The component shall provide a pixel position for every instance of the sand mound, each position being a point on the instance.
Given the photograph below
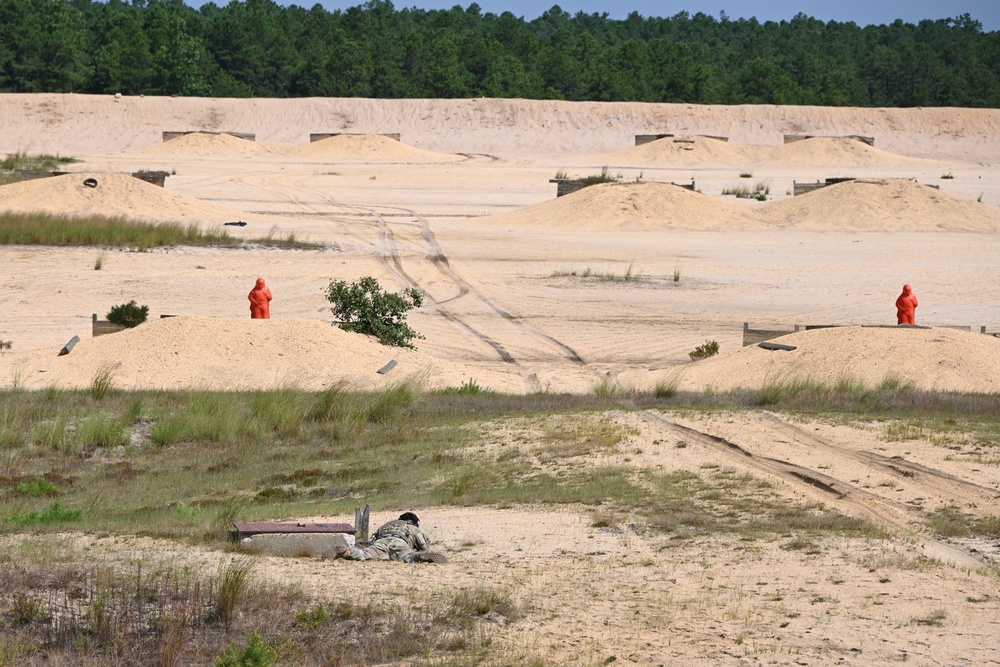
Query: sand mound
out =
(233, 354)
(208, 144)
(366, 147)
(686, 151)
(633, 207)
(882, 205)
(705, 151)
(932, 359)
(115, 195)
(834, 152)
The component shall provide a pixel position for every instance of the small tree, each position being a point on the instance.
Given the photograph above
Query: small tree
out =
(366, 308)
(128, 314)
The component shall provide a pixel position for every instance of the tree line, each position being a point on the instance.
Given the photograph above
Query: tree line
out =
(258, 48)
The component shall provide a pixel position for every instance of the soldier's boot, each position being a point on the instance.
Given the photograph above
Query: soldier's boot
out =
(339, 548)
(429, 557)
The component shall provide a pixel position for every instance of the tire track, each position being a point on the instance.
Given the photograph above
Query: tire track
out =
(317, 202)
(936, 482)
(390, 258)
(845, 497)
(438, 258)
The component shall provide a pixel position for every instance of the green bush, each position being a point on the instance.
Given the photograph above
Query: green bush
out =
(128, 314)
(54, 513)
(709, 349)
(257, 653)
(366, 308)
(37, 488)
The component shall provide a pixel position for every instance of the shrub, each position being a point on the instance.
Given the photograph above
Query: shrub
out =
(366, 308)
(5, 345)
(54, 513)
(128, 314)
(37, 488)
(257, 653)
(709, 349)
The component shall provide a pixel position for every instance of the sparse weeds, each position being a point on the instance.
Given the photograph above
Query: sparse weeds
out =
(934, 618)
(469, 388)
(628, 276)
(603, 177)
(759, 191)
(478, 602)
(148, 613)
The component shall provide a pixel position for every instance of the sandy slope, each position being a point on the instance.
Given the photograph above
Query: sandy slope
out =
(882, 205)
(706, 151)
(116, 195)
(633, 207)
(365, 147)
(931, 359)
(225, 354)
(80, 124)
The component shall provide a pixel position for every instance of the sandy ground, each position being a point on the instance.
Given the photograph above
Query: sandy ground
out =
(527, 293)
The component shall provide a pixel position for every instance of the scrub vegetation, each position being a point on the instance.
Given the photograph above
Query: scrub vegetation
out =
(186, 465)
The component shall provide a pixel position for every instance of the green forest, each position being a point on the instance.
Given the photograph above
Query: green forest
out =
(258, 48)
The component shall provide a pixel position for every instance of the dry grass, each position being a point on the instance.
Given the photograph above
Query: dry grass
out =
(59, 608)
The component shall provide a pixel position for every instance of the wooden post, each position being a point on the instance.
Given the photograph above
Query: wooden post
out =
(361, 524)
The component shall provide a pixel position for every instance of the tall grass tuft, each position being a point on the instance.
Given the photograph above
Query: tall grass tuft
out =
(667, 388)
(608, 387)
(101, 383)
(895, 384)
(390, 402)
(776, 391)
(232, 583)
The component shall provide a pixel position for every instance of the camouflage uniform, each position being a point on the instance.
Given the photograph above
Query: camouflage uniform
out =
(395, 540)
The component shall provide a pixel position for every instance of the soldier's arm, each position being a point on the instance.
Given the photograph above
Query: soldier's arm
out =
(421, 543)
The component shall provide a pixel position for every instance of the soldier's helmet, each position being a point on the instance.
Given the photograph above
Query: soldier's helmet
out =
(411, 517)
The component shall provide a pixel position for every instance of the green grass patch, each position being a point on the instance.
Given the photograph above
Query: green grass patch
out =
(38, 162)
(53, 513)
(117, 232)
(187, 464)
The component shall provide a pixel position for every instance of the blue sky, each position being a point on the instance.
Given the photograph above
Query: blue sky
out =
(862, 12)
